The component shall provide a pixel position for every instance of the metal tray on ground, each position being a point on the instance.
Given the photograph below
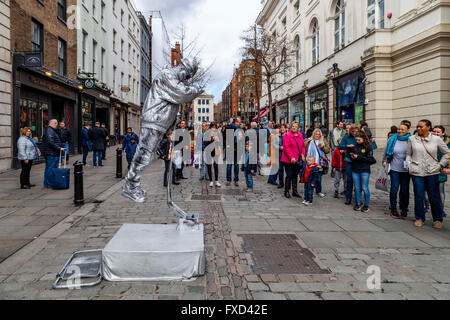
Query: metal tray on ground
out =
(82, 265)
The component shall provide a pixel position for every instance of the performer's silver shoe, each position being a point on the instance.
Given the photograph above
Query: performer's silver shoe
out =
(137, 194)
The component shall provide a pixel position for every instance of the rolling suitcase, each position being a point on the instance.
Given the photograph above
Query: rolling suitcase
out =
(61, 175)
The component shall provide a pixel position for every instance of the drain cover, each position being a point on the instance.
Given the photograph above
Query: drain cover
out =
(280, 254)
(211, 197)
(230, 192)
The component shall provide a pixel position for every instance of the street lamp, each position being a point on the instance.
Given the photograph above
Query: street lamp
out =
(335, 70)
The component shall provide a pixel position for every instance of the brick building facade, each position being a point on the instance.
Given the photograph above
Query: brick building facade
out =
(5, 86)
(50, 91)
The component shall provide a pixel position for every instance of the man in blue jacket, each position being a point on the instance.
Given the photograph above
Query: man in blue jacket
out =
(51, 149)
(127, 138)
(86, 141)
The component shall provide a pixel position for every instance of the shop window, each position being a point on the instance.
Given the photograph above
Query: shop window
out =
(34, 114)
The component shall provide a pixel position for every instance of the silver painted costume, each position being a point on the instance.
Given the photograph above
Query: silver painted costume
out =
(168, 91)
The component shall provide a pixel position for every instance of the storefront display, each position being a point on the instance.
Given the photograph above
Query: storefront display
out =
(318, 108)
(281, 113)
(350, 98)
(34, 115)
(86, 111)
(297, 112)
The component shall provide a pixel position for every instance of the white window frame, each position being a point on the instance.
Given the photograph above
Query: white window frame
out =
(377, 8)
(298, 55)
(315, 43)
(339, 25)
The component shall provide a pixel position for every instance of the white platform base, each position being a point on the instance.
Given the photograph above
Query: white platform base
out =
(154, 253)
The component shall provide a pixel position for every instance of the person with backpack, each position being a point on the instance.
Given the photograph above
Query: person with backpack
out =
(362, 159)
(317, 147)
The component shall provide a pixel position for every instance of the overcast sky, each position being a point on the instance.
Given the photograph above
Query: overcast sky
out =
(218, 25)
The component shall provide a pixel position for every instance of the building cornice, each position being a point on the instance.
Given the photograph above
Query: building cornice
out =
(264, 14)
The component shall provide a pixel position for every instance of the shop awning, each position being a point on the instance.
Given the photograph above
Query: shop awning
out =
(264, 112)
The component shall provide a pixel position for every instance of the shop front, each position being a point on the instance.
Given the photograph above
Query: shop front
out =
(134, 117)
(297, 110)
(350, 98)
(318, 107)
(282, 112)
(118, 118)
(40, 98)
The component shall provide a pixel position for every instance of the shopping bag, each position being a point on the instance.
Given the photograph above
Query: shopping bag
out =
(383, 182)
(60, 177)
(178, 159)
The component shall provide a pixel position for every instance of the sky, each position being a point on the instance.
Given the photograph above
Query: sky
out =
(218, 24)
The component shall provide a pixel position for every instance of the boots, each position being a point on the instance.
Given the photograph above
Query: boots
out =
(287, 188)
(294, 189)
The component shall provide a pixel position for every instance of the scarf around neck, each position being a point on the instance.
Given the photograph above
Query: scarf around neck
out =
(393, 141)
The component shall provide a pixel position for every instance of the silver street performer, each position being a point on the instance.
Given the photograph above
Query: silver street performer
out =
(169, 90)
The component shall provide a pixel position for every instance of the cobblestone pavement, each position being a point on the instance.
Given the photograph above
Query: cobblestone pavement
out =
(414, 263)
(26, 214)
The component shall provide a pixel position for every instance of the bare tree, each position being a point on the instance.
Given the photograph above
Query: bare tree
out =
(190, 49)
(273, 53)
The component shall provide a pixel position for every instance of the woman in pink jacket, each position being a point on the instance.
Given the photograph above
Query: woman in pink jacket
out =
(293, 152)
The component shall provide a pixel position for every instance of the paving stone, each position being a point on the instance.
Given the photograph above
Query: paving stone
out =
(286, 225)
(249, 225)
(442, 287)
(268, 278)
(417, 296)
(302, 296)
(441, 296)
(394, 287)
(312, 287)
(268, 296)
(336, 296)
(356, 225)
(386, 240)
(257, 286)
(165, 297)
(320, 225)
(339, 287)
(284, 287)
(326, 239)
(397, 278)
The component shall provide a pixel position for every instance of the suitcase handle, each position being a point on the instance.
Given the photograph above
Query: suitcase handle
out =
(61, 162)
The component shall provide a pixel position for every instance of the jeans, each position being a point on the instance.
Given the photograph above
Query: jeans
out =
(129, 161)
(399, 180)
(216, 171)
(281, 175)
(85, 154)
(166, 172)
(442, 196)
(25, 173)
(318, 187)
(50, 163)
(349, 191)
(309, 192)
(430, 186)
(98, 154)
(236, 172)
(248, 178)
(203, 170)
(361, 181)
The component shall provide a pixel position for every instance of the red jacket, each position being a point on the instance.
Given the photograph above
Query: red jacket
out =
(290, 148)
(338, 161)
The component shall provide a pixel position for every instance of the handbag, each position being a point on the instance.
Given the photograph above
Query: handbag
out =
(374, 145)
(324, 162)
(299, 163)
(431, 155)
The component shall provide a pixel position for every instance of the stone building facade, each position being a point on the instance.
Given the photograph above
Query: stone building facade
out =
(381, 61)
(5, 86)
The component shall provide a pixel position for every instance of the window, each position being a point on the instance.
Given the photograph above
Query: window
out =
(121, 48)
(199, 110)
(94, 56)
(114, 78)
(121, 17)
(339, 25)
(297, 8)
(94, 9)
(297, 54)
(375, 14)
(114, 6)
(285, 66)
(84, 53)
(114, 40)
(203, 101)
(203, 110)
(207, 101)
(62, 10)
(199, 119)
(199, 101)
(62, 54)
(102, 71)
(207, 110)
(37, 36)
(102, 14)
(315, 43)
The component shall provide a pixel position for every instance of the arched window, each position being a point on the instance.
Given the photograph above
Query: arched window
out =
(339, 25)
(315, 43)
(297, 55)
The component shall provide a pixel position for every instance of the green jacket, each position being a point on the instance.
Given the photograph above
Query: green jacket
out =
(443, 177)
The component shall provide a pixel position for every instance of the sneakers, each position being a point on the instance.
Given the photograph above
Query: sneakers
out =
(365, 209)
(404, 215)
(395, 215)
(218, 185)
(211, 185)
(357, 207)
(336, 195)
(236, 184)
(249, 190)
(348, 202)
(307, 203)
(228, 184)
(437, 225)
(418, 223)
(321, 195)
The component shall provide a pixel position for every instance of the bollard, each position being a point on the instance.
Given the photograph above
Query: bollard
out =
(119, 164)
(78, 175)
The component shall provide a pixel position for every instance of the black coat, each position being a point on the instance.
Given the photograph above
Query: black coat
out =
(51, 143)
(65, 135)
(97, 136)
(164, 147)
(365, 158)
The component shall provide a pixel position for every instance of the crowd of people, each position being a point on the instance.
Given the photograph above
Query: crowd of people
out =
(293, 156)
(346, 153)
